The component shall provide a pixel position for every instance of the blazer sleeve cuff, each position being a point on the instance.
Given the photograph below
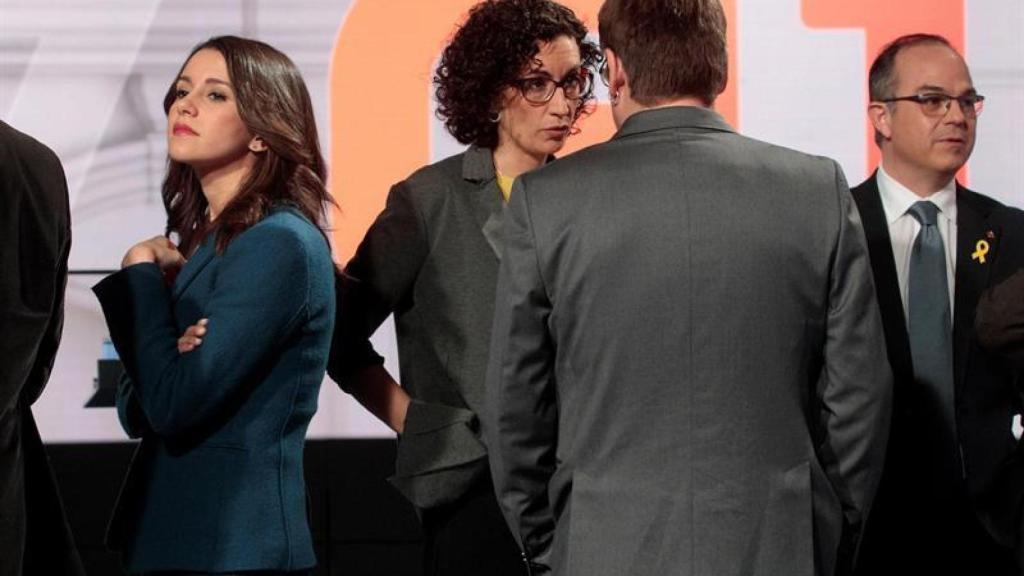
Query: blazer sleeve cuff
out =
(348, 358)
(134, 301)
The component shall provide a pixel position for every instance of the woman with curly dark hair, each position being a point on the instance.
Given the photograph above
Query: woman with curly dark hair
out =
(216, 485)
(511, 84)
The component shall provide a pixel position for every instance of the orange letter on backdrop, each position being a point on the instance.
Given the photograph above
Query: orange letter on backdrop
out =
(380, 85)
(884, 21)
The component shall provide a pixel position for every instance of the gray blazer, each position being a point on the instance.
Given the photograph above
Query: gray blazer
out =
(687, 371)
(431, 259)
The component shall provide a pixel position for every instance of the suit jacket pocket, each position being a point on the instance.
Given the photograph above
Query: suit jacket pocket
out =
(784, 542)
(440, 454)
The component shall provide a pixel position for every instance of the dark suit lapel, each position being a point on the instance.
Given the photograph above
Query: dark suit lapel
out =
(974, 234)
(883, 267)
(478, 168)
(193, 267)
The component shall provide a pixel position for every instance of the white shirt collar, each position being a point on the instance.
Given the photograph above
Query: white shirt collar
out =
(897, 198)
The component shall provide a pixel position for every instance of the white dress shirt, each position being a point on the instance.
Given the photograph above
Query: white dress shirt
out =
(903, 228)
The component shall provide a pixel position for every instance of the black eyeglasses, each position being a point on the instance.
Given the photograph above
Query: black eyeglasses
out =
(603, 71)
(937, 104)
(540, 89)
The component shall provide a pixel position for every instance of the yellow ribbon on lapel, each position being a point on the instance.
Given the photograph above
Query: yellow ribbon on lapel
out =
(980, 250)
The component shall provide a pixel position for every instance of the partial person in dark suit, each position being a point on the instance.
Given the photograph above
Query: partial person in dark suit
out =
(216, 485)
(685, 372)
(35, 238)
(935, 247)
(511, 84)
(999, 321)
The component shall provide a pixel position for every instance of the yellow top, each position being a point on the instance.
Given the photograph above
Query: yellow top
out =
(505, 183)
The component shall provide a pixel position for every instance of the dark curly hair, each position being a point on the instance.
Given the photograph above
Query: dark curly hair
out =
(489, 52)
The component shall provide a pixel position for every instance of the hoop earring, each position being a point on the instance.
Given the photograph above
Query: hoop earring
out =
(494, 117)
(613, 98)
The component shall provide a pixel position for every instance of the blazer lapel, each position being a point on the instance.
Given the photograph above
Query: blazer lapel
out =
(488, 206)
(977, 247)
(883, 268)
(193, 267)
(492, 229)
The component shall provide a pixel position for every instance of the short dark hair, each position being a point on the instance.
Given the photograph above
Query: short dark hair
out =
(669, 48)
(489, 52)
(882, 76)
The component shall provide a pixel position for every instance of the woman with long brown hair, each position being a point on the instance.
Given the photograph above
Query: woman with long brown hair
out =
(216, 485)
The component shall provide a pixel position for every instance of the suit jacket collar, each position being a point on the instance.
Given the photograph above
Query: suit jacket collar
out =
(897, 198)
(200, 258)
(478, 165)
(488, 205)
(207, 250)
(692, 117)
(972, 276)
(974, 232)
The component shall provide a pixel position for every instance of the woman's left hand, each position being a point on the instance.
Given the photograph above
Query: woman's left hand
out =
(192, 337)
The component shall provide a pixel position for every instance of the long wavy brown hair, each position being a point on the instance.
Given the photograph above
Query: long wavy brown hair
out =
(274, 104)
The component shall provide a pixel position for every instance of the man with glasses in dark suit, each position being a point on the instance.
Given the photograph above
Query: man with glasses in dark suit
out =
(935, 247)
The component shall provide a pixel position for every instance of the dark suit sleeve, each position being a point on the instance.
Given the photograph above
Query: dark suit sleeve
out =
(855, 384)
(47, 351)
(259, 298)
(999, 325)
(521, 420)
(35, 240)
(376, 282)
(1000, 319)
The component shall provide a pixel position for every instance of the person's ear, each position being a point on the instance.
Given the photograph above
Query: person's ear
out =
(881, 116)
(257, 145)
(617, 77)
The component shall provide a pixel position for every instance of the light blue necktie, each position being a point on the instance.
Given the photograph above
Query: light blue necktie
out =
(929, 318)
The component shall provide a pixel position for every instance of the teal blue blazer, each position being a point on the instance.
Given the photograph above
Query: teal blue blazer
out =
(217, 484)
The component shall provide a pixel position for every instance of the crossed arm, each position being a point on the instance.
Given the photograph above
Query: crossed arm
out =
(259, 298)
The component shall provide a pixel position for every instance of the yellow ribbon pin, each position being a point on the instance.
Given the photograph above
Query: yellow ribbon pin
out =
(980, 250)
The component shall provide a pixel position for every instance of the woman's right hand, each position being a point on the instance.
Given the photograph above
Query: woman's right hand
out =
(159, 250)
(192, 337)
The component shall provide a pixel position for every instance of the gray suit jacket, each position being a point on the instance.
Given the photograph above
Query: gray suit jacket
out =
(431, 259)
(687, 371)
